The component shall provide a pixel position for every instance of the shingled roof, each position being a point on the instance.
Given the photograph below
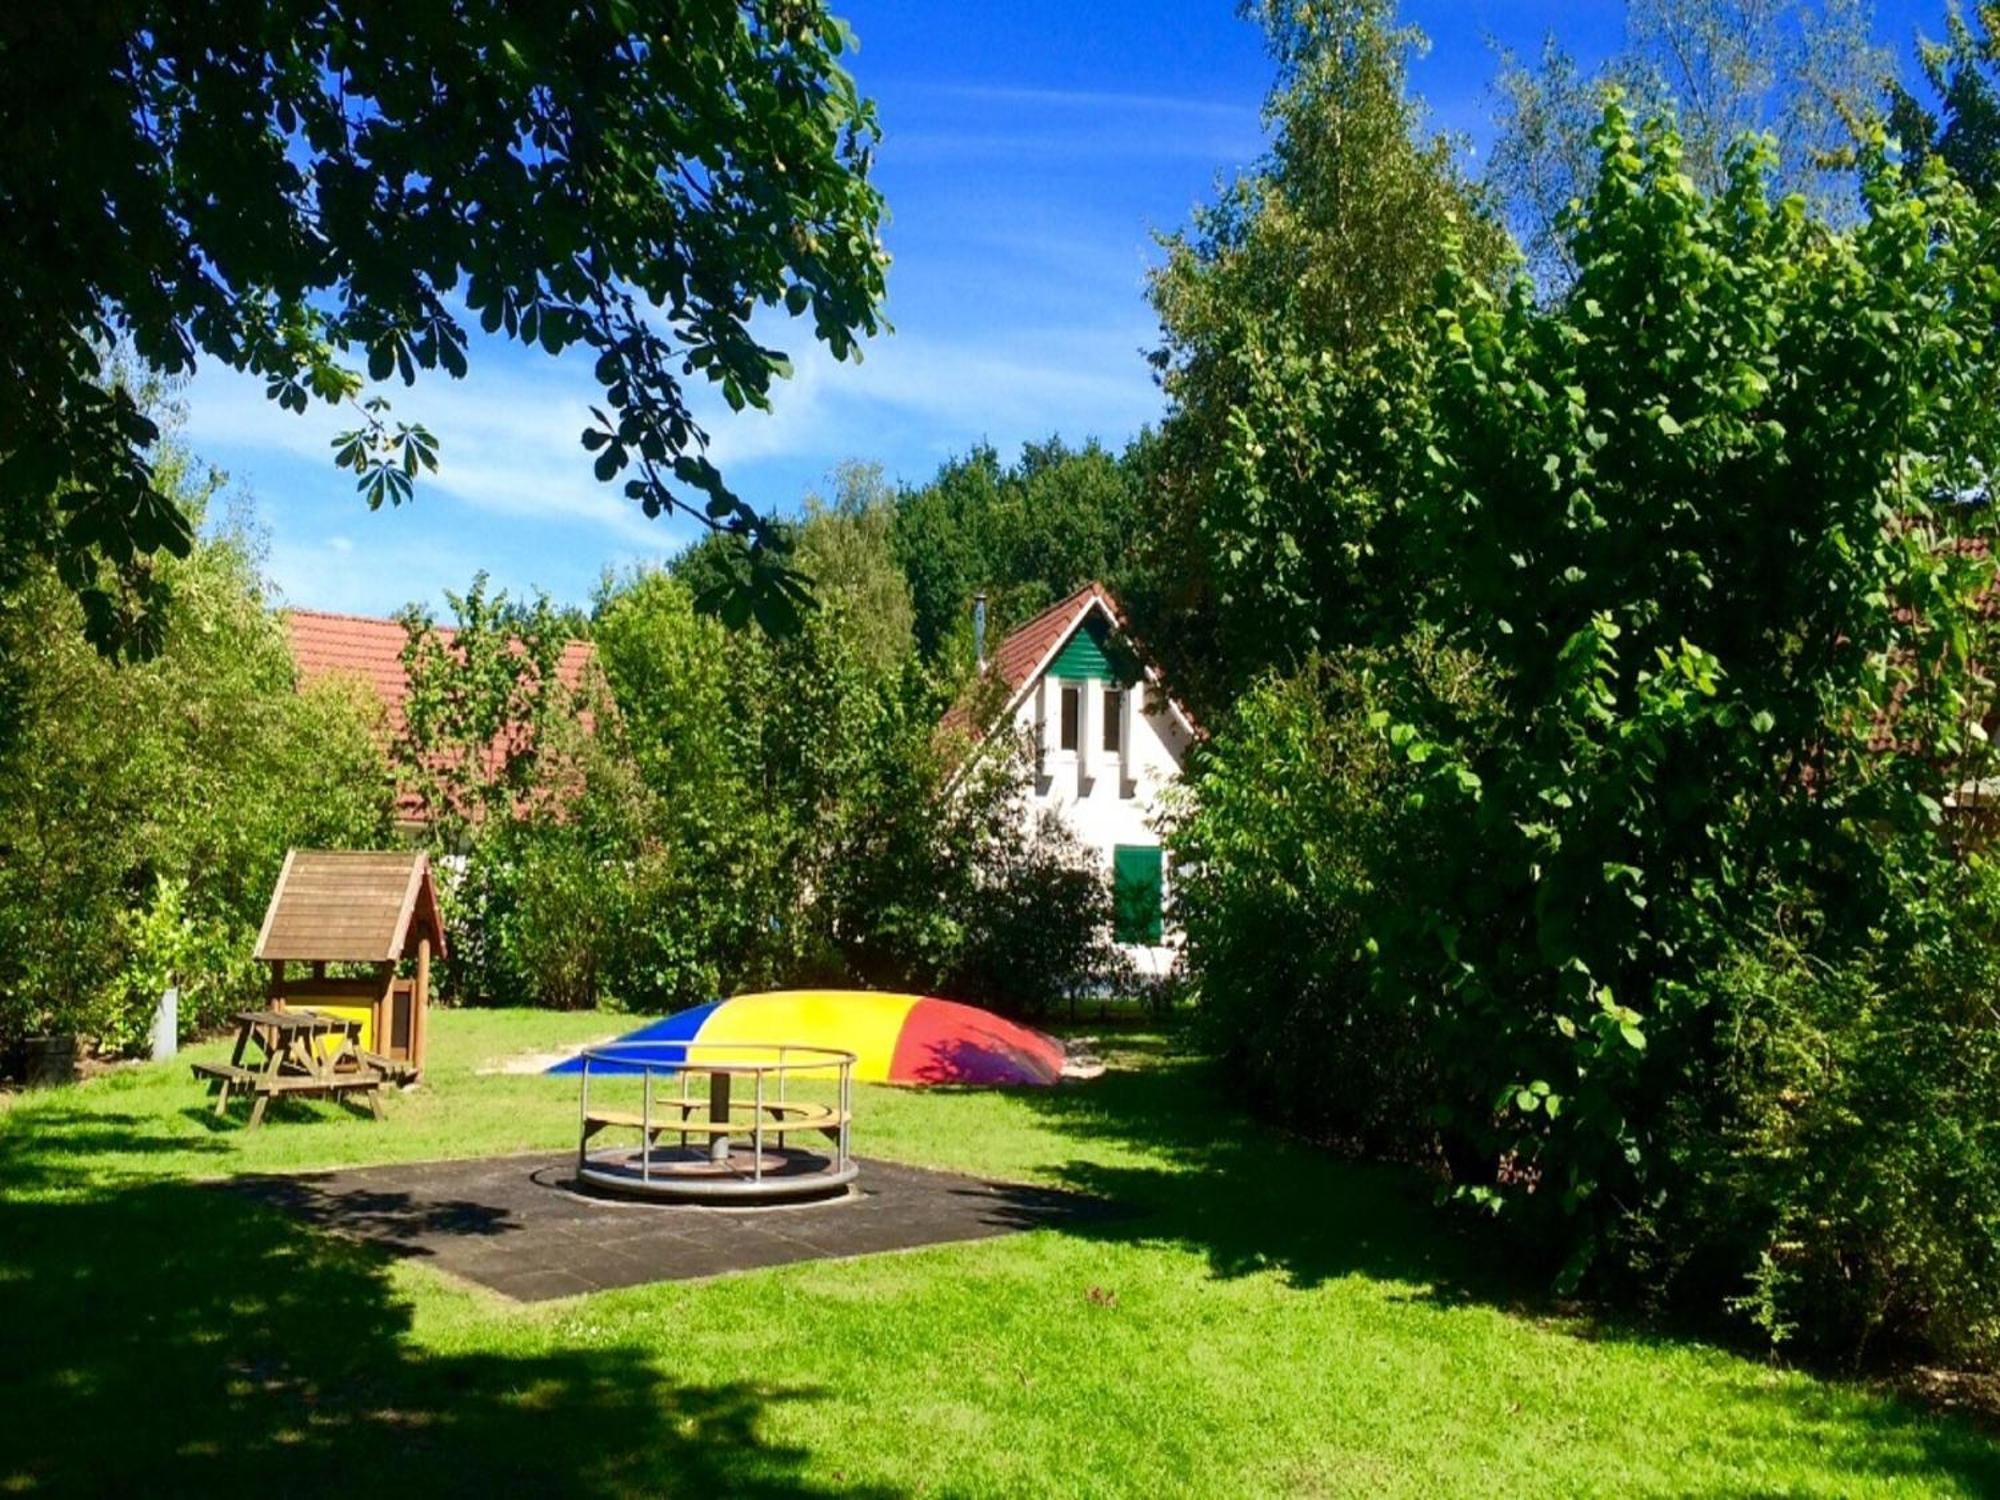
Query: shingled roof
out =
(349, 906)
(1026, 649)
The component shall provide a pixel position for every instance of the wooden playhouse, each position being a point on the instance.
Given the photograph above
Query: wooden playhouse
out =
(361, 910)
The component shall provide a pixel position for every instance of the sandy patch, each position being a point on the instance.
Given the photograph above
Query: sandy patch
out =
(540, 1062)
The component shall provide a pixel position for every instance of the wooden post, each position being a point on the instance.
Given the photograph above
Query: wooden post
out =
(420, 1002)
(385, 1011)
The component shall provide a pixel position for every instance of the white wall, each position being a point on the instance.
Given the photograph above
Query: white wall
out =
(1107, 798)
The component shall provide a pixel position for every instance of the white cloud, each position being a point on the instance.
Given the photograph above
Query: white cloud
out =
(1007, 388)
(514, 492)
(323, 575)
(1097, 101)
(507, 441)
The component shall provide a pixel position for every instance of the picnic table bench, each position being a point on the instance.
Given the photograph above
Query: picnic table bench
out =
(294, 1052)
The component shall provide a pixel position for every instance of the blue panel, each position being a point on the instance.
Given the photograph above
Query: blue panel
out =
(682, 1026)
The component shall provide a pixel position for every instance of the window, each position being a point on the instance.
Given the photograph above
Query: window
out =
(1072, 713)
(1137, 893)
(1114, 718)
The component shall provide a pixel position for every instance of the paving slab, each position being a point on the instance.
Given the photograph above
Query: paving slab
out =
(523, 1227)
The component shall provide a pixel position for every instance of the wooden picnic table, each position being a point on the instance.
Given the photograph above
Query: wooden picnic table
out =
(304, 1052)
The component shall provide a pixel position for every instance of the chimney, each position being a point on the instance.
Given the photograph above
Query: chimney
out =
(979, 630)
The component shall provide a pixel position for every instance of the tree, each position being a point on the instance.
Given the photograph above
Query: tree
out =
(473, 745)
(941, 542)
(284, 187)
(1659, 886)
(1807, 71)
(1296, 266)
(1025, 534)
(145, 809)
(803, 821)
(1961, 123)
(689, 695)
(846, 548)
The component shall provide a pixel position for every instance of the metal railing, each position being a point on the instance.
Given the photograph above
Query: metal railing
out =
(761, 1062)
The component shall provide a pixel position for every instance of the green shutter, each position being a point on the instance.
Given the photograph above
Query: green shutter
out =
(1083, 655)
(1136, 893)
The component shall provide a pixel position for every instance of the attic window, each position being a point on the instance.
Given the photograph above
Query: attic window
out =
(1072, 713)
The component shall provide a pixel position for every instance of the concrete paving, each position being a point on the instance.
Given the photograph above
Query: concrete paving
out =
(520, 1226)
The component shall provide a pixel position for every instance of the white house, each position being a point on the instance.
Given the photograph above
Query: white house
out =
(1107, 740)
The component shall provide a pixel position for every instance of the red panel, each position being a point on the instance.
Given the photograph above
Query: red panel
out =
(945, 1042)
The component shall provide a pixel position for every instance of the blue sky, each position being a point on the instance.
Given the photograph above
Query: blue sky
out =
(1030, 152)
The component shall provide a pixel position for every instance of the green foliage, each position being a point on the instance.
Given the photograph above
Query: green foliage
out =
(482, 696)
(283, 190)
(1279, 896)
(1026, 535)
(1959, 122)
(845, 547)
(1699, 531)
(1808, 72)
(713, 861)
(743, 811)
(498, 751)
(1287, 277)
(1039, 923)
(1845, 1169)
(207, 959)
(145, 809)
(549, 904)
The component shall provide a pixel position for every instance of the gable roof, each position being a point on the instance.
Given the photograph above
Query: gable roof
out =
(371, 650)
(1020, 660)
(349, 906)
(325, 644)
(1027, 651)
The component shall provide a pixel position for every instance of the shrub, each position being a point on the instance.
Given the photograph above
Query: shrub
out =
(746, 812)
(550, 917)
(207, 959)
(1841, 1170)
(137, 798)
(1292, 839)
(1038, 922)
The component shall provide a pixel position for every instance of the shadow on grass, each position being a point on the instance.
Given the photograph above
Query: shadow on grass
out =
(60, 1146)
(170, 1339)
(1253, 1202)
(1245, 1196)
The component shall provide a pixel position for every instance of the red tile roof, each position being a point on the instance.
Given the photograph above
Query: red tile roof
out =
(361, 646)
(371, 650)
(1029, 647)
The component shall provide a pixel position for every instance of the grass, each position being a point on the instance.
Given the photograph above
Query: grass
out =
(1267, 1322)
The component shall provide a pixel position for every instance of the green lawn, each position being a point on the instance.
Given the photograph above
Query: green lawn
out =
(1269, 1323)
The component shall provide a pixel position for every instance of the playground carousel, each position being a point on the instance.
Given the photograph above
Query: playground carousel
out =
(722, 1122)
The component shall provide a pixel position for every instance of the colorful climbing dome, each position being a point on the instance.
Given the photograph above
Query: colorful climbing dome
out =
(911, 1039)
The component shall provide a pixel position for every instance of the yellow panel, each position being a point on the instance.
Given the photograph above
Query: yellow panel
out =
(365, 1014)
(863, 1022)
